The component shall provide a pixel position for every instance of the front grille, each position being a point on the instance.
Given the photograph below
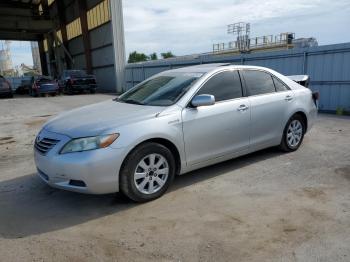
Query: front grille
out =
(44, 145)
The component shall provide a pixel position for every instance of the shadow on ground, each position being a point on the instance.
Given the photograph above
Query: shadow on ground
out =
(45, 209)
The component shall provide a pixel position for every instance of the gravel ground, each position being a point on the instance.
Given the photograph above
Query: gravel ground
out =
(267, 206)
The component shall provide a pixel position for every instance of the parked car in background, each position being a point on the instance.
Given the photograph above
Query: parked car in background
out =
(77, 81)
(172, 123)
(5, 88)
(24, 87)
(43, 85)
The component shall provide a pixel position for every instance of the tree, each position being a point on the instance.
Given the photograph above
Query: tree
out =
(135, 57)
(167, 55)
(153, 56)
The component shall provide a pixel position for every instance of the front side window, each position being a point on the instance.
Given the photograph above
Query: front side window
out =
(258, 82)
(162, 90)
(223, 86)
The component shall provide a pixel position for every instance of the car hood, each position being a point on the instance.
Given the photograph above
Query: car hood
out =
(99, 118)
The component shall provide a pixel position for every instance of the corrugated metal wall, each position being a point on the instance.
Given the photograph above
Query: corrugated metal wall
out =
(101, 46)
(328, 67)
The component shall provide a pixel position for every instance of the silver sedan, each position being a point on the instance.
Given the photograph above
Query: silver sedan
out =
(172, 123)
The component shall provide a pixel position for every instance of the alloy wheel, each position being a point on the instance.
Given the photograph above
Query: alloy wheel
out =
(151, 173)
(294, 133)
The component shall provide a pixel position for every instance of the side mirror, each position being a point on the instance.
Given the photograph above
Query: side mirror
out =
(203, 100)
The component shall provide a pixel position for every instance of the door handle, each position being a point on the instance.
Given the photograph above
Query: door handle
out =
(242, 108)
(288, 98)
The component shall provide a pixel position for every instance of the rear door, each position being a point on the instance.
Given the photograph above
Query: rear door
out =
(219, 129)
(269, 106)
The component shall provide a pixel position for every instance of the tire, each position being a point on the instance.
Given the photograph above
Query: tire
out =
(68, 90)
(293, 134)
(139, 189)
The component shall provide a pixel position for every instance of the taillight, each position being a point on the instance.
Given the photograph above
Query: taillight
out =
(36, 85)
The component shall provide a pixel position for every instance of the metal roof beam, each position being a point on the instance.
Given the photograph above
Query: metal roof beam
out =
(23, 24)
(16, 11)
(16, 4)
(20, 36)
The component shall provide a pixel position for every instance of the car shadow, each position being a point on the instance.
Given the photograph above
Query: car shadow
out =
(222, 168)
(29, 207)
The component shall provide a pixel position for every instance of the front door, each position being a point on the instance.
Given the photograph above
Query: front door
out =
(214, 131)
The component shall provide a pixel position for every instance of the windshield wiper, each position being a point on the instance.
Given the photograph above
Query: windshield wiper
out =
(132, 101)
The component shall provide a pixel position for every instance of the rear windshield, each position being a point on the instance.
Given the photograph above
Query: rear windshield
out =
(76, 73)
(162, 90)
(44, 80)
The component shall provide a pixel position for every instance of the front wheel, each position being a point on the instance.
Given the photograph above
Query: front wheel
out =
(147, 172)
(293, 134)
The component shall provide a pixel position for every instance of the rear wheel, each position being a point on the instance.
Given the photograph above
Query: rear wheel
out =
(293, 134)
(147, 172)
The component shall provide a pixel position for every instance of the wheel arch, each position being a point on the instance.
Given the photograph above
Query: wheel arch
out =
(162, 141)
(304, 117)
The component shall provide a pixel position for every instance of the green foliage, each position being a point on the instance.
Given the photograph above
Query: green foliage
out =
(153, 56)
(135, 57)
(339, 111)
(167, 55)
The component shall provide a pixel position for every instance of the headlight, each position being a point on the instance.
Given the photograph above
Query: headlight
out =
(89, 143)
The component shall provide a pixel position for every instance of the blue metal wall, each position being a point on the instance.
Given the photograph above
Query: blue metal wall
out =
(328, 67)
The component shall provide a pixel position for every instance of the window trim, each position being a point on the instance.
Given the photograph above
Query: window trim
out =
(288, 88)
(188, 104)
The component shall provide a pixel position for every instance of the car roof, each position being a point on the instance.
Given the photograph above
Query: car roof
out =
(205, 68)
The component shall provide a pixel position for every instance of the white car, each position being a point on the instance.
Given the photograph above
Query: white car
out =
(174, 122)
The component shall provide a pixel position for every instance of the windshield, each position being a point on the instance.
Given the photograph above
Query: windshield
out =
(162, 90)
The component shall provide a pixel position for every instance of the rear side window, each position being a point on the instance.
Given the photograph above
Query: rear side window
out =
(223, 86)
(279, 85)
(258, 82)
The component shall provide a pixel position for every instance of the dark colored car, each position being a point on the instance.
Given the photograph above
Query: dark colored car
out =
(24, 87)
(5, 88)
(77, 81)
(44, 85)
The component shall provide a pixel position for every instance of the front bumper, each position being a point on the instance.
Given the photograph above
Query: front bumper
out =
(97, 169)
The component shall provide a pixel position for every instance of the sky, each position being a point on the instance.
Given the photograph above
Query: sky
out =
(193, 26)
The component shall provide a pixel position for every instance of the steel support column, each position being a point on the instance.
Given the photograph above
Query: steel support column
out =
(43, 60)
(85, 33)
(62, 23)
(118, 44)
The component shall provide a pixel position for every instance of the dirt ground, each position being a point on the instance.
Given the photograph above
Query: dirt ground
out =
(267, 206)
